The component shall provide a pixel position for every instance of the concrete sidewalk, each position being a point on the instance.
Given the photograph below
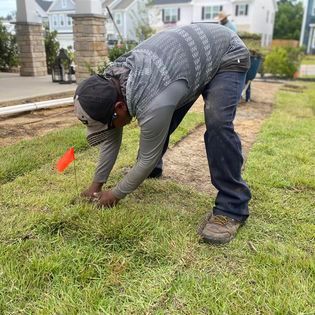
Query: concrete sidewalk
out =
(13, 87)
(307, 70)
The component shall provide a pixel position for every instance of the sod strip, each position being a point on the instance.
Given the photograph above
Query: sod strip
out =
(143, 256)
(27, 155)
(270, 267)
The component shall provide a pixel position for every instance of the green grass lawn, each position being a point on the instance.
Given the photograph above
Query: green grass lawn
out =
(308, 60)
(144, 256)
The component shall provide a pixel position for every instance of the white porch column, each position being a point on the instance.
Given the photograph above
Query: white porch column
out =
(89, 37)
(30, 39)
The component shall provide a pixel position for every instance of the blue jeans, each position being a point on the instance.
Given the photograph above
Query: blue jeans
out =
(223, 146)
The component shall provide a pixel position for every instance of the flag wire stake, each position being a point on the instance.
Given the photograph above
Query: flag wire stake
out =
(75, 176)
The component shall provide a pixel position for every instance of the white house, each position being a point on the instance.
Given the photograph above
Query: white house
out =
(42, 7)
(253, 16)
(128, 16)
(60, 21)
(308, 27)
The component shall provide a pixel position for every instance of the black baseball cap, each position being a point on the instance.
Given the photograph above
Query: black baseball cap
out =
(94, 103)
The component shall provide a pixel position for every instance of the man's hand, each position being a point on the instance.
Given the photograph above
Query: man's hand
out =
(105, 198)
(94, 188)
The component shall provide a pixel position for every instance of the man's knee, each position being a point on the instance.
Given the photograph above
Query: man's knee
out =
(215, 122)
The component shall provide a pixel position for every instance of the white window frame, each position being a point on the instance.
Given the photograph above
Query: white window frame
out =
(62, 20)
(242, 9)
(68, 20)
(267, 16)
(118, 18)
(55, 20)
(211, 12)
(64, 4)
(170, 15)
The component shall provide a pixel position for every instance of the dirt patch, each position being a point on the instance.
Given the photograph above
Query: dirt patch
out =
(187, 163)
(37, 123)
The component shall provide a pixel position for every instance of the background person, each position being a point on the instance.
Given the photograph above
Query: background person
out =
(224, 20)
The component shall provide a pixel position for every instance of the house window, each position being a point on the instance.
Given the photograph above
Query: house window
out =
(241, 10)
(313, 10)
(118, 18)
(69, 21)
(170, 15)
(267, 17)
(209, 13)
(64, 4)
(55, 20)
(62, 19)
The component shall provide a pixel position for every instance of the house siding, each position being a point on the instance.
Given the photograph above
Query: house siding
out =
(58, 6)
(309, 28)
(258, 15)
(60, 21)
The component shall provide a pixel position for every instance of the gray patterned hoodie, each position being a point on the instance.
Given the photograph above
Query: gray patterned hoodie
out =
(181, 60)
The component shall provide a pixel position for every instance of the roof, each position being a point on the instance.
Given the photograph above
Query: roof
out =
(44, 4)
(107, 3)
(158, 2)
(123, 4)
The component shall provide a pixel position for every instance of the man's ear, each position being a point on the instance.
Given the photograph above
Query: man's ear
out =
(120, 108)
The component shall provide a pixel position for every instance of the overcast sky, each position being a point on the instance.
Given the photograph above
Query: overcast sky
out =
(7, 6)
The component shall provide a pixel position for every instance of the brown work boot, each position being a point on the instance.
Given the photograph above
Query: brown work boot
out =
(218, 229)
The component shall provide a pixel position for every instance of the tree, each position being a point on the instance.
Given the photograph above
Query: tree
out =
(144, 31)
(51, 48)
(8, 49)
(288, 19)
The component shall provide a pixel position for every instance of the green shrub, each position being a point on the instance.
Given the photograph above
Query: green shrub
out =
(114, 53)
(8, 49)
(251, 40)
(51, 48)
(283, 61)
(117, 51)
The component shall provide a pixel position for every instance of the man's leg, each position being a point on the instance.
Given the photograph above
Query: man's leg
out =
(177, 118)
(225, 158)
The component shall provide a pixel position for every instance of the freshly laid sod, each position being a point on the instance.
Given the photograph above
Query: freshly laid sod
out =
(308, 60)
(18, 159)
(144, 256)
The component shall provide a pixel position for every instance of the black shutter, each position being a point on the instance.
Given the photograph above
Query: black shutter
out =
(203, 13)
(178, 14)
(246, 9)
(221, 7)
(163, 15)
(236, 10)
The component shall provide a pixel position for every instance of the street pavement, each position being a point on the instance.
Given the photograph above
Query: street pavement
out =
(13, 87)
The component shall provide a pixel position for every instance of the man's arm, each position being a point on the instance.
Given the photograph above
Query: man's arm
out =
(108, 152)
(154, 122)
(152, 138)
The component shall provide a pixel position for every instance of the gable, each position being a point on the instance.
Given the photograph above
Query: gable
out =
(123, 4)
(58, 6)
(44, 5)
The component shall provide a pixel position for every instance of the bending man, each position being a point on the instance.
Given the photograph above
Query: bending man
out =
(157, 83)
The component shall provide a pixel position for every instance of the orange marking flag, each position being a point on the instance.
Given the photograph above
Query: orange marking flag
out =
(65, 160)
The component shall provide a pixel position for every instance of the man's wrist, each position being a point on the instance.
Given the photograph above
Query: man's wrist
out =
(96, 186)
(117, 193)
